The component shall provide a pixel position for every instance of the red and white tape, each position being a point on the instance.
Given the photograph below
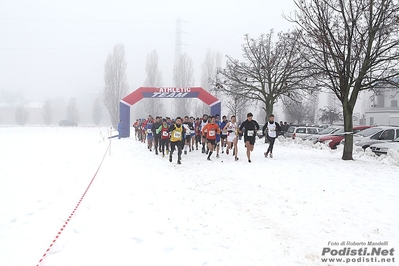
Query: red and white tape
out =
(73, 212)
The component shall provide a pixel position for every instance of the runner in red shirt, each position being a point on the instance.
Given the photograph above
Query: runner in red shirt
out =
(211, 129)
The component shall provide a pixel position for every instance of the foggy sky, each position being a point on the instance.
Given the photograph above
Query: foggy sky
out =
(52, 49)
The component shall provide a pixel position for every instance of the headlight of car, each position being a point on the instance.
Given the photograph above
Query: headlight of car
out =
(357, 142)
(376, 149)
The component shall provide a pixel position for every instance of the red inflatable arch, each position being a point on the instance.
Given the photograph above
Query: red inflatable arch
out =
(163, 92)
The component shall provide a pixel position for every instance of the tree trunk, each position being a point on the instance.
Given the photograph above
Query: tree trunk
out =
(348, 127)
(268, 108)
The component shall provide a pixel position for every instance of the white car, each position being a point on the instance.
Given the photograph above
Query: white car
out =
(364, 135)
(382, 148)
(301, 132)
(325, 132)
(385, 134)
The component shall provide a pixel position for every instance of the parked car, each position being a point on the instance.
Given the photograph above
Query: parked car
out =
(67, 123)
(335, 139)
(378, 135)
(382, 148)
(325, 132)
(364, 134)
(301, 132)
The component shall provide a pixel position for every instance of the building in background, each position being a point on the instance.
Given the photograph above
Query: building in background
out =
(383, 109)
(33, 109)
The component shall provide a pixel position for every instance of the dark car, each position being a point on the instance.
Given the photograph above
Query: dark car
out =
(67, 123)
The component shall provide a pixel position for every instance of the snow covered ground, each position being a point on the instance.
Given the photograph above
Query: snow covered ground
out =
(143, 210)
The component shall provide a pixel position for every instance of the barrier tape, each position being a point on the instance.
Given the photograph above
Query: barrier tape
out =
(74, 210)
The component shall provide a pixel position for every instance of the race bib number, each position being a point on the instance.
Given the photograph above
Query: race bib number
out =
(250, 133)
(177, 135)
(165, 133)
(149, 131)
(225, 133)
(212, 133)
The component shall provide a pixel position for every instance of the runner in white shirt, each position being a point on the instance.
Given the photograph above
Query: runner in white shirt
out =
(232, 129)
(188, 126)
(273, 130)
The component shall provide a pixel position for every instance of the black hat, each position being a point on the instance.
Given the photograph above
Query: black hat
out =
(249, 114)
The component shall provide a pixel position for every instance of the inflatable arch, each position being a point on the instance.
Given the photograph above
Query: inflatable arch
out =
(163, 92)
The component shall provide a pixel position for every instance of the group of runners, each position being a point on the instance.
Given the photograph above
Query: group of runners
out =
(166, 135)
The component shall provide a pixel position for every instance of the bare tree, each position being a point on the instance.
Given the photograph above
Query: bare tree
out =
(21, 115)
(12, 98)
(269, 70)
(97, 111)
(72, 110)
(294, 110)
(210, 66)
(198, 108)
(352, 46)
(209, 70)
(47, 112)
(301, 108)
(115, 79)
(236, 103)
(153, 106)
(208, 73)
(330, 115)
(313, 106)
(183, 77)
